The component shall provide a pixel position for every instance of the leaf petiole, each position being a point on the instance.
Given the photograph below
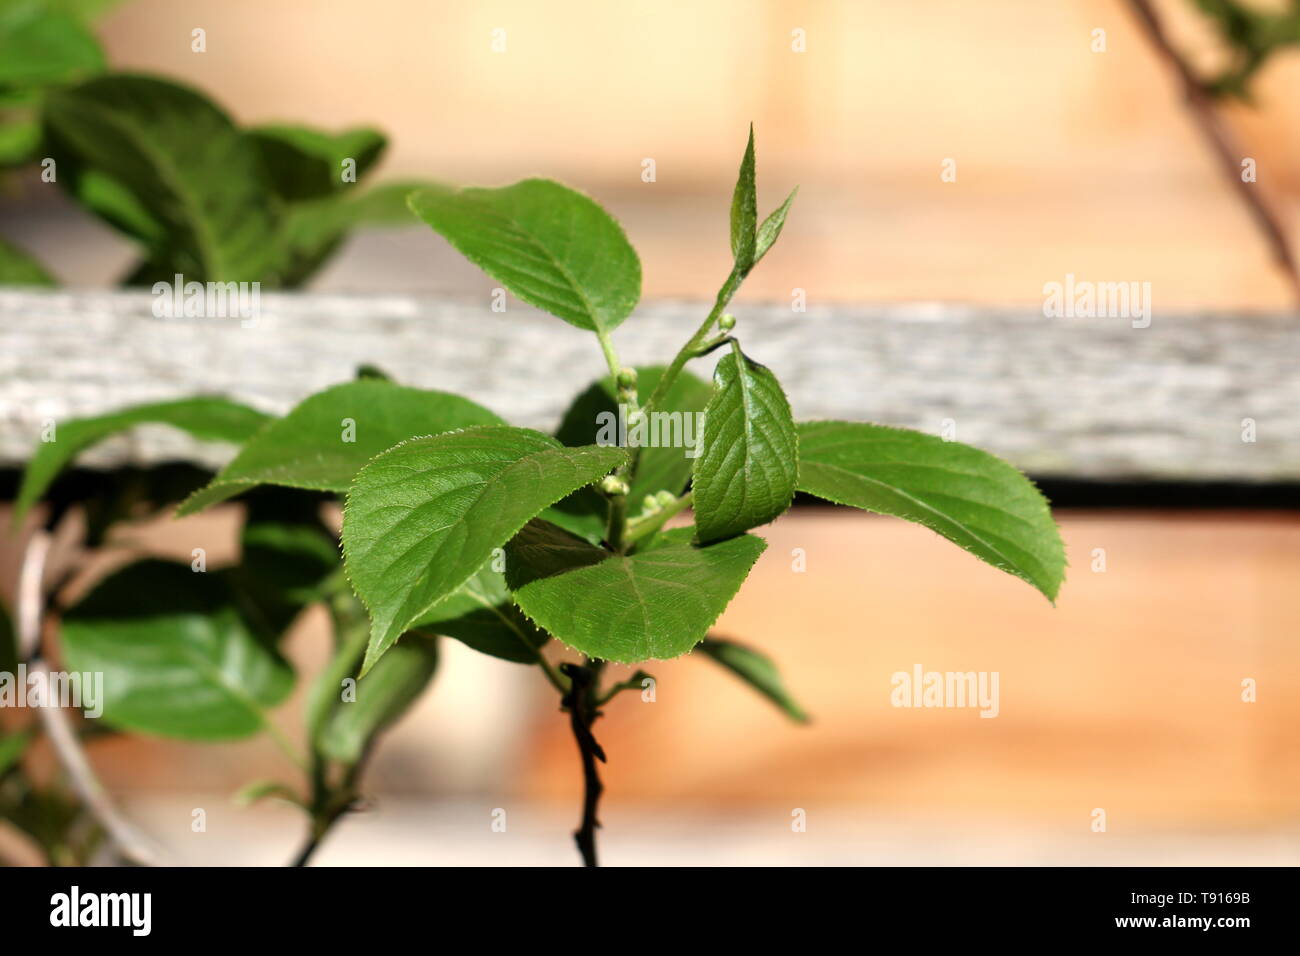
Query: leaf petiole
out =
(713, 345)
(647, 525)
(632, 683)
(687, 351)
(285, 745)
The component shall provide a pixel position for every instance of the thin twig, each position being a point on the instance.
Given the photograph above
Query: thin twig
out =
(31, 602)
(131, 844)
(580, 703)
(1223, 145)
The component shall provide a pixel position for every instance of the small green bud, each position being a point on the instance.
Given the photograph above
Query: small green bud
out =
(627, 378)
(727, 322)
(664, 499)
(613, 485)
(650, 504)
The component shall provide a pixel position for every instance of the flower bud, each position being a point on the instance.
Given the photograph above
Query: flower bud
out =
(613, 485)
(627, 378)
(727, 322)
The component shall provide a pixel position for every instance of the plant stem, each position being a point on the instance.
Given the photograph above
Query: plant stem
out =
(283, 743)
(329, 802)
(556, 680)
(308, 849)
(328, 805)
(632, 683)
(689, 349)
(611, 356)
(617, 528)
(643, 527)
(580, 702)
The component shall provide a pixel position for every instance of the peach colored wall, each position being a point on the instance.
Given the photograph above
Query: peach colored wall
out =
(1126, 695)
(1068, 160)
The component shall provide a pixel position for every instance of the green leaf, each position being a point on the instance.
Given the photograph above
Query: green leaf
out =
(177, 657)
(744, 211)
(656, 603)
(424, 517)
(287, 555)
(326, 440)
(663, 468)
(18, 268)
(551, 246)
(755, 669)
(746, 474)
(482, 615)
(972, 498)
(312, 231)
(120, 208)
(184, 162)
(85, 10)
(385, 204)
(209, 419)
(382, 696)
(12, 748)
(20, 134)
(771, 228)
(310, 234)
(40, 46)
(306, 163)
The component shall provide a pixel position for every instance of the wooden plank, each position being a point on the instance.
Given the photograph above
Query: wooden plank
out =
(1088, 398)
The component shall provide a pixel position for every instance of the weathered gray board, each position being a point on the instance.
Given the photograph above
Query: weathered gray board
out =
(1091, 398)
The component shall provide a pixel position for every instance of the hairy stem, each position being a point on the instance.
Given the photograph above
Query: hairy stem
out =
(611, 356)
(693, 344)
(580, 702)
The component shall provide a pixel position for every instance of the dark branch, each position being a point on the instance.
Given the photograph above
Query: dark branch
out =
(580, 702)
